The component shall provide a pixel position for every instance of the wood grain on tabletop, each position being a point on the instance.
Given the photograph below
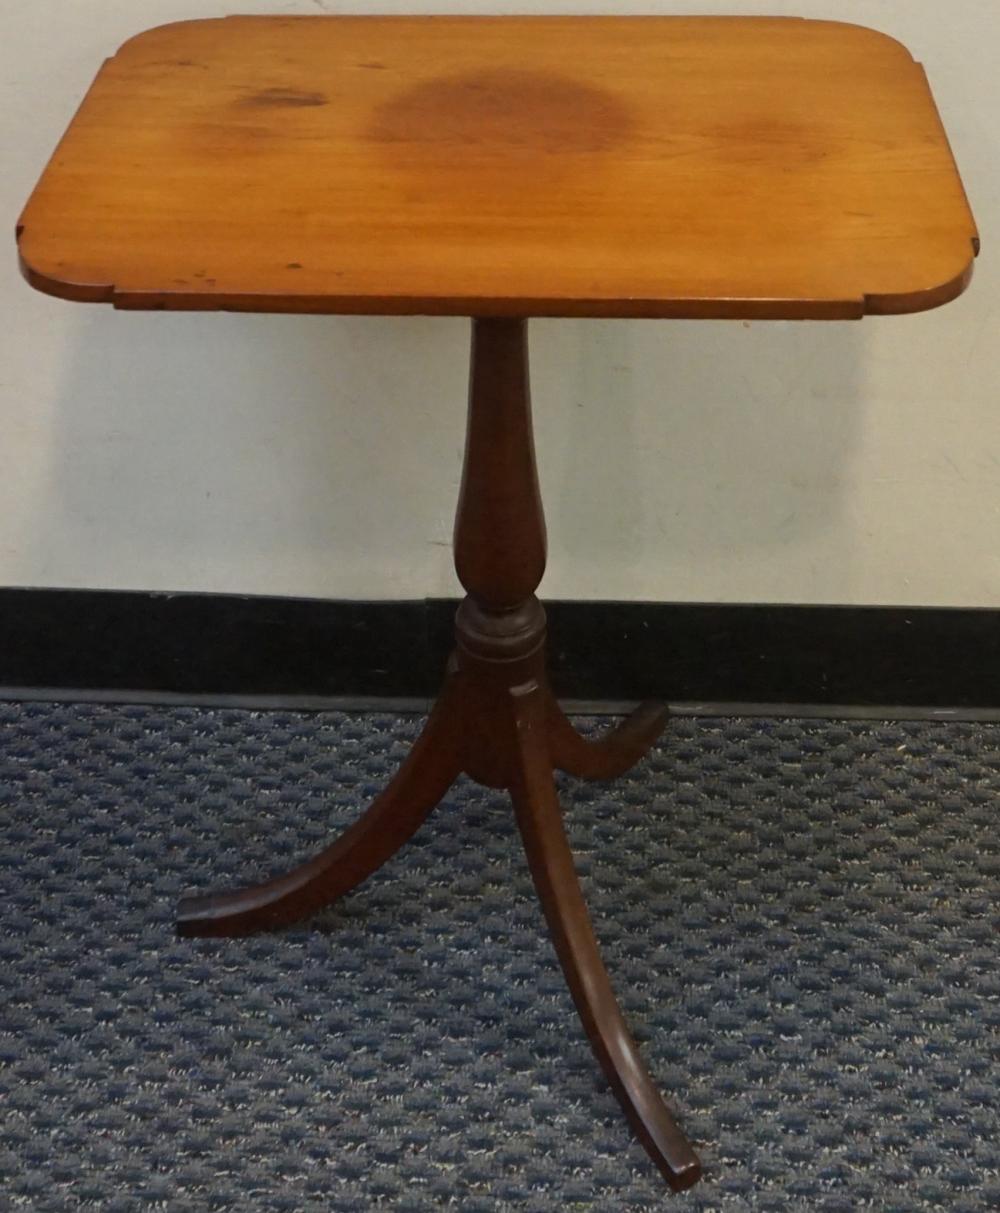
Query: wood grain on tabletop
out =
(604, 166)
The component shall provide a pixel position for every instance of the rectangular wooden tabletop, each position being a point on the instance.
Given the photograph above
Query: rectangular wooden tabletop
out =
(584, 166)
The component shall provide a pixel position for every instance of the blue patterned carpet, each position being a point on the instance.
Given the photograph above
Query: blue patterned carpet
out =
(800, 917)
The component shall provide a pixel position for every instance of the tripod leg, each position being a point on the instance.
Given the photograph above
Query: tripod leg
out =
(609, 756)
(393, 818)
(551, 863)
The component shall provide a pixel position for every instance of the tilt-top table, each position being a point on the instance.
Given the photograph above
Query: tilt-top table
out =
(502, 168)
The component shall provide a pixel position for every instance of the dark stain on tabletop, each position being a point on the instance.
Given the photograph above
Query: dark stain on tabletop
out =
(279, 97)
(523, 112)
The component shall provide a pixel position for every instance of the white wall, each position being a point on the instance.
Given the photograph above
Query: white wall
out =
(851, 463)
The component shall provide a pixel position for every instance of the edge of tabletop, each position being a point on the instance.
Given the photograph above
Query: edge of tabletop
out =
(919, 299)
(169, 28)
(582, 308)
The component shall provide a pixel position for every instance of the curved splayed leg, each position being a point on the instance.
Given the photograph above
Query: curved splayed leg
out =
(609, 756)
(551, 863)
(393, 818)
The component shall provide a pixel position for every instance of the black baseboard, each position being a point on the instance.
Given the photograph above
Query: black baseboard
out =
(224, 648)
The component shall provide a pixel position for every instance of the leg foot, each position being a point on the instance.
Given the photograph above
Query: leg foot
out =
(551, 863)
(426, 775)
(608, 756)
